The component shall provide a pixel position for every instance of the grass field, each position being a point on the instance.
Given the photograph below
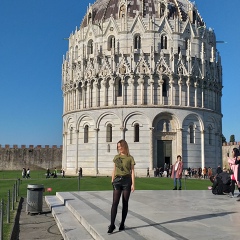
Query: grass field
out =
(87, 183)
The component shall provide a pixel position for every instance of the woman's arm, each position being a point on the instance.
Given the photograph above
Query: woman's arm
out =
(113, 172)
(133, 179)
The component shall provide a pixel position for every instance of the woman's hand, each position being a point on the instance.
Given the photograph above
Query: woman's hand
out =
(132, 188)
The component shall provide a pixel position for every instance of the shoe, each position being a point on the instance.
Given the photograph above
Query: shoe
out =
(111, 228)
(121, 227)
(179, 188)
(238, 195)
(238, 200)
(175, 188)
(231, 195)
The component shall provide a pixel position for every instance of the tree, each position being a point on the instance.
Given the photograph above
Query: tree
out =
(232, 138)
(223, 139)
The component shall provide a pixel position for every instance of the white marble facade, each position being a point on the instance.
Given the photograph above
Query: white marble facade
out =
(146, 71)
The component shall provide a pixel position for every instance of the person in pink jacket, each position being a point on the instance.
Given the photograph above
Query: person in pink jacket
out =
(177, 169)
(234, 166)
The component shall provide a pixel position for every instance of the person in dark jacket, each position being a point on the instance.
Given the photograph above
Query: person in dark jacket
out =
(221, 183)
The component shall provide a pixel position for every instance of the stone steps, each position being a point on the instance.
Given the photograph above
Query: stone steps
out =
(154, 215)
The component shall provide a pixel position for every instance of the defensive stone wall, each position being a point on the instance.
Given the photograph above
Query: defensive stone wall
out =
(38, 157)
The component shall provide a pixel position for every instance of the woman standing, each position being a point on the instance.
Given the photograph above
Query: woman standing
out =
(123, 180)
(233, 162)
(177, 169)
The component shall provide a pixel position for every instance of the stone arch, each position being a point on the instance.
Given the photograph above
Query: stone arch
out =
(107, 149)
(166, 135)
(100, 118)
(193, 149)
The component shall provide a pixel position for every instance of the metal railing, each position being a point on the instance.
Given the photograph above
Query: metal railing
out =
(5, 208)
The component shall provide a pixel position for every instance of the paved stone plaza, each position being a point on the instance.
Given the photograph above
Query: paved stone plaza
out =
(152, 215)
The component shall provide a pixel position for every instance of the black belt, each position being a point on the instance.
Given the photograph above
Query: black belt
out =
(125, 176)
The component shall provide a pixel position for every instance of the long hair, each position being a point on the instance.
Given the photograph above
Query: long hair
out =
(236, 152)
(124, 145)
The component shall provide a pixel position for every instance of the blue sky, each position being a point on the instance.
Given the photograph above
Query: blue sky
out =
(32, 46)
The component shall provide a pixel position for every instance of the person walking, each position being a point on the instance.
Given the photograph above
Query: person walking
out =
(148, 174)
(123, 181)
(48, 173)
(28, 173)
(177, 169)
(55, 173)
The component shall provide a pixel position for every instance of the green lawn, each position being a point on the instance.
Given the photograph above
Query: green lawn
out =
(87, 183)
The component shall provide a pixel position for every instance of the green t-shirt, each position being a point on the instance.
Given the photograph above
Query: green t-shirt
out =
(123, 165)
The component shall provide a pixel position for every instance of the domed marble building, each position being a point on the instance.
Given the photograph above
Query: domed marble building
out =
(146, 71)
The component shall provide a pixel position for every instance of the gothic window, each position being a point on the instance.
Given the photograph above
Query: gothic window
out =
(90, 47)
(86, 134)
(89, 17)
(179, 50)
(137, 42)
(111, 43)
(162, 10)
(163, 42)
(186, 43)
(164, 89)
(71, 135)
(136, 132)
(109, 133)
(194, 16)
(119, 88)
(192, 134)
(76, 52)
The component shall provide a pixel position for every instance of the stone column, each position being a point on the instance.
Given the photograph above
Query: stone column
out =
(202, 97)
(132, 90)
(152, 90)
(104, 92)
(160, 83)
(180, 90)
(171, 90)
(64, 102)
(123, 129)
(179, 146)
(202, 148)
(113, 91)
(64, 154)
(74, 100)
(83, 97)
(96, 94)
(141, 82)
(151, 148)
(89, 94)
(77, 99)
(67, 95)
(96, 150)
(123, 90)
(76, 153)
(188, 92)
(196, 94)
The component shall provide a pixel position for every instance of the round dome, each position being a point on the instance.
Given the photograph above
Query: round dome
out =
(147, 71)
(102, 10)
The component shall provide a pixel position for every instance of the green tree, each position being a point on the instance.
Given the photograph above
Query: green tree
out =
(232, 138)
(223, 139)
